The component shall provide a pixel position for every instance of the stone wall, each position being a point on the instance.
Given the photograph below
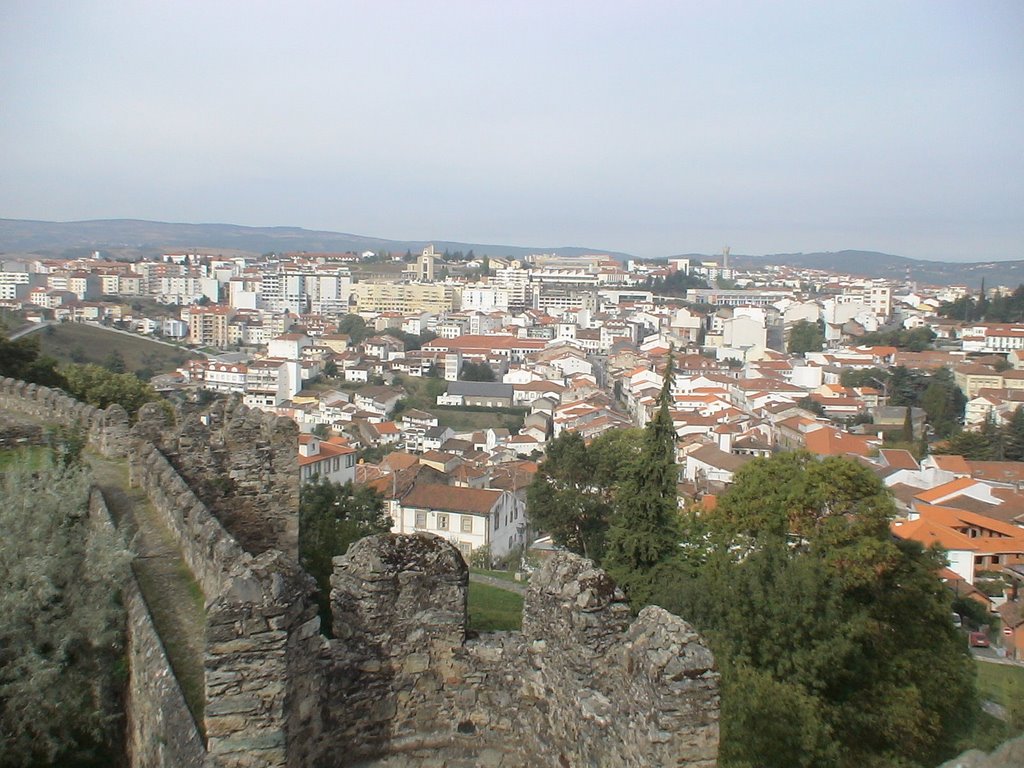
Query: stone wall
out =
(242, 463)
(159, 729)
(208, 548)
(584, 684)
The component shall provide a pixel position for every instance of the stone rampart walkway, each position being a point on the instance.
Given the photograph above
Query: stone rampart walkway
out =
(174, 598)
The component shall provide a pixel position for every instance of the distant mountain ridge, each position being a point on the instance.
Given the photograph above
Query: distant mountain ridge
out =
(27, 236)
(888, 266)
(124, 237)
(896, 268)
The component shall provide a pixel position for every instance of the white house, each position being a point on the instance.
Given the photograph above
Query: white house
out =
(327, 459)
(470, 518)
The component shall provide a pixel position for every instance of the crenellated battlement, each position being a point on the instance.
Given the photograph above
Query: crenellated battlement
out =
(585, 683)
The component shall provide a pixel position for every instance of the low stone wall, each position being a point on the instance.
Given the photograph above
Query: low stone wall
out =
(210, 551)
(107, 429)
(159, 729)
(582, 685)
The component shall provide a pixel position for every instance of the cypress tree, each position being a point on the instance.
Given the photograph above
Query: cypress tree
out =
(645, 529)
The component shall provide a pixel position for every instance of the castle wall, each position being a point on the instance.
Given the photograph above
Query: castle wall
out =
(584, 684)
(242, 463)
(160, 731)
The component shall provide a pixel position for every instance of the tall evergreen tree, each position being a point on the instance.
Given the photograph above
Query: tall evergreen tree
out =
(1013, 437)
(645, 529)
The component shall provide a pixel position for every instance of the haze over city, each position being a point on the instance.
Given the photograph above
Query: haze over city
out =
(653, 129)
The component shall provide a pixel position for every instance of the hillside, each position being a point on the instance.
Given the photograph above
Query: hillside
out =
(874, 264)
(130, 237)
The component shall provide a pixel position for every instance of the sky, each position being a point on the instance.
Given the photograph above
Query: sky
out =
(646, 127)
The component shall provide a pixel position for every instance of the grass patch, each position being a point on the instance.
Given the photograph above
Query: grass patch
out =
(82, 343)
(492, 609)
(503, 575)
(36, 456)
(989, 732)
(1001, 683)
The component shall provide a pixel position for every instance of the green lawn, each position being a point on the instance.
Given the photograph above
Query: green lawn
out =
(81, 343)
(1000, 683)
(492, 609)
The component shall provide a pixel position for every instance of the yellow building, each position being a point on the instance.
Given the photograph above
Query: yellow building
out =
(406, 298)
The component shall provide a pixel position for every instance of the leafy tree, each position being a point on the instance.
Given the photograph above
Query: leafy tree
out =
(864, 377)
(973, 445)
(943, 402)
(61, 622)
(675, 284)
(564, 503)
(908, 425)
(806, 336)
(476, 371)
(354, 327)
(100, 387)
(21, 360)
(115, 362)
(331, 368)
(571, 495)
(811, 405)
(645, 525)
(833, 637)
(331, 517)
(916, 340)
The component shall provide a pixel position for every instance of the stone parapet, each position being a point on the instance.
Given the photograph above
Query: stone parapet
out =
(262, 683)
(582, 685)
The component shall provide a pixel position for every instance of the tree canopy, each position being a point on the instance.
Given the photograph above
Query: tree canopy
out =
(833, 637)
(571, 495)
(331, 517)
(806, 336)
(61, 621)
(644, 527)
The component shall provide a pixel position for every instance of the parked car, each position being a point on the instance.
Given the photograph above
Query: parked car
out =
(978, 640)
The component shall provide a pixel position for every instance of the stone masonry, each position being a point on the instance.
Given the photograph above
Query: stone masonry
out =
(401, 683)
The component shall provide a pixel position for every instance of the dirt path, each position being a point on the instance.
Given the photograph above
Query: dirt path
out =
(172, 594)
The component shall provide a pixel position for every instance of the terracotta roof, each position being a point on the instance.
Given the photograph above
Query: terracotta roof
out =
(952, 463)
(829, 441)
(898, 458)
(452, 498)
(946, 490)
(929, 534)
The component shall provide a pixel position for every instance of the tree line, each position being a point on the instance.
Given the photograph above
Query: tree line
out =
(833, 638)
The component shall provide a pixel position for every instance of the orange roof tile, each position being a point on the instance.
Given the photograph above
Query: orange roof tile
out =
(931, 534)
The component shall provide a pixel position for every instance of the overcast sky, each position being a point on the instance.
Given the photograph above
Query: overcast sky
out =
(652, 128)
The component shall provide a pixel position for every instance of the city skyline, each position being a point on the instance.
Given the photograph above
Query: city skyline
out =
(654, 130)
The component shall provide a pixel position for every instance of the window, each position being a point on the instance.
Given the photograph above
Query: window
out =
(497, 520)
(467, 524)
(466, 550)
(421, 519)
(442, 522)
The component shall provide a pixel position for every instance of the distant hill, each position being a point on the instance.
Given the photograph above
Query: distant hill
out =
(131, 236)
(874, 264)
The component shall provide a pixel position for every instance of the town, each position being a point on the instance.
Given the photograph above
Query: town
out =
(457, 370)
(440, 380)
